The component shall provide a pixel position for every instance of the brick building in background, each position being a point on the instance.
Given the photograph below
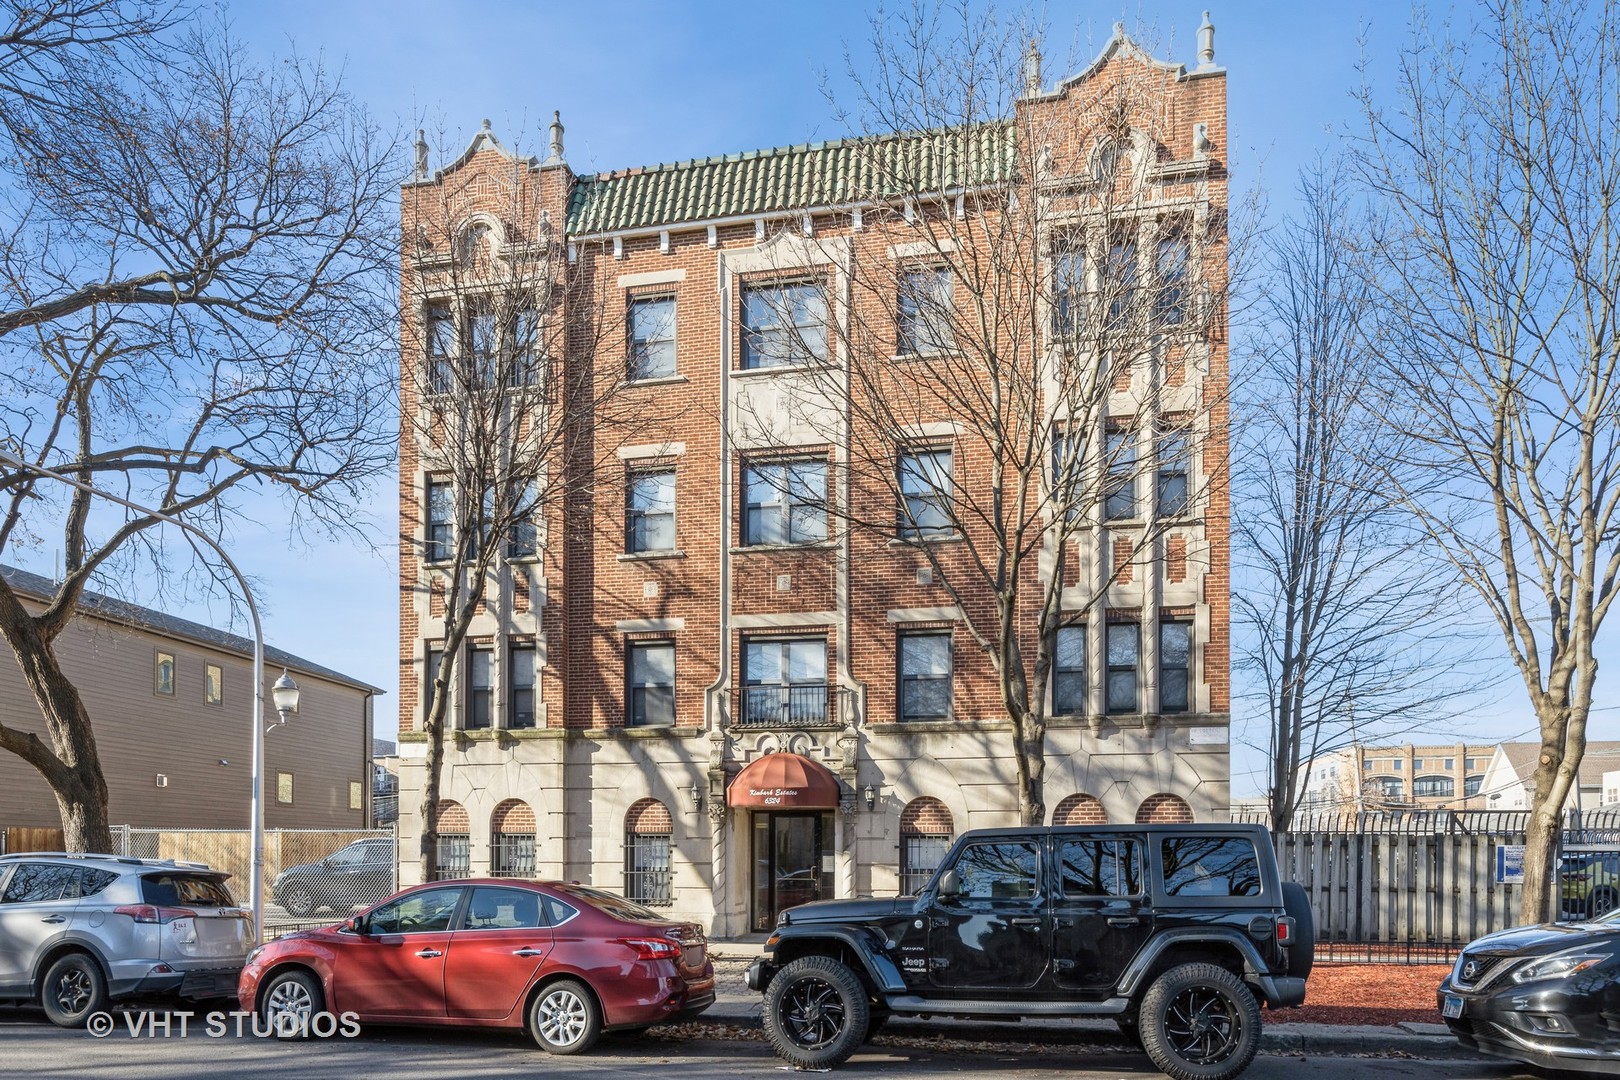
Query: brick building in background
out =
(700, 685)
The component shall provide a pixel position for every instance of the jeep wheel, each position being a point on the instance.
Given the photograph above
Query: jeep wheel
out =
(300, 902)
(1199, 1022)
(74, 988)
(816, 1012)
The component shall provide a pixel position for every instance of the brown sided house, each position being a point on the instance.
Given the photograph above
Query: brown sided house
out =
(171, 702)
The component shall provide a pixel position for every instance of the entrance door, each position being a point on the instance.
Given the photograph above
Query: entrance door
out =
(792, 863)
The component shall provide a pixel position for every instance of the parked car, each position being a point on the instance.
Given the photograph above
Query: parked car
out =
(562, 961)
(80, 931)
(1547, 995)
(352, 877)
(1177, 932)
(1590, 882)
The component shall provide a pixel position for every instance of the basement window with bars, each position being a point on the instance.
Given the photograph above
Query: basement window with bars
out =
(511, 855)
(455, 856)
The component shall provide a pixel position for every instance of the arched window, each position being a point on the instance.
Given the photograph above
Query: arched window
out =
(1164, 809)
(648, 842)
(511, 841)
(455, 845)
(1472, 785)
(925, 835)
(1080, 809)
(1434, 787)
(1390, 787)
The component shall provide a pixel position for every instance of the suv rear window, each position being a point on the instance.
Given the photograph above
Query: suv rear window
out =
(1210, 866)
(176, 890)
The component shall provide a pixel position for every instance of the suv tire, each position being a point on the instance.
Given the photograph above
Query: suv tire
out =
(1302, 950)
(1200, 1022)
(816, 1012)
(72, 990)
(565, 1018)
(300, 901)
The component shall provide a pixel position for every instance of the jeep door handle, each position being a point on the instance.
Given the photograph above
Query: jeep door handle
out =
(527, 951)
(429, 954)
(1123, 920)
(54, 919)
(1026, 920)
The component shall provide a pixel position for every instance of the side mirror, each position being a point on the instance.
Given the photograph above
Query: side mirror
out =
(950, 884)
(356, 925)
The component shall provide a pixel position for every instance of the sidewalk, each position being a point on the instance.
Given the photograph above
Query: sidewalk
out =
(739, 1006)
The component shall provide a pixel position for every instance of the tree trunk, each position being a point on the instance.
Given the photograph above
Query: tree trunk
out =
(1563, 739)
(430, 800)
(70, 764)
(1031, 736)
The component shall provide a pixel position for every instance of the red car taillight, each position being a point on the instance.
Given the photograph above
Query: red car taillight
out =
(148, 913)
(652, 948)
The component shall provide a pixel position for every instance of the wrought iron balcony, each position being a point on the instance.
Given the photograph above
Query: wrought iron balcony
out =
(784, 706)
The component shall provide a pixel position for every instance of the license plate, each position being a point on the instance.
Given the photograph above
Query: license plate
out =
(1453, 1007)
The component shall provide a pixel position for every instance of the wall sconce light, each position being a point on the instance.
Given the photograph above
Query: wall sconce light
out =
(696, 791)
(870, 795)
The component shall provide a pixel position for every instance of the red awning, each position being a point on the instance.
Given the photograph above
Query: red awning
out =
(784, 781)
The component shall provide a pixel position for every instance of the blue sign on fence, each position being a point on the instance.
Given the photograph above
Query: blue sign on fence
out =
(1510, 864)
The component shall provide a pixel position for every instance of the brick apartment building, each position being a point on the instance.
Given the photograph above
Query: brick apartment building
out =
(712, 694)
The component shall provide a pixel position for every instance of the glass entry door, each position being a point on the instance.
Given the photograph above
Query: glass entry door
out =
(792, 862)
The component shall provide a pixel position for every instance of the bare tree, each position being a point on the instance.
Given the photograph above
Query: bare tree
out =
(509, 409)
(1045, 275)
(1501, 277)
(192, 300)
(1343, 621)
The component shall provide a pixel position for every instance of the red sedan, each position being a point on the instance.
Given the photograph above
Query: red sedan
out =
(566, 962)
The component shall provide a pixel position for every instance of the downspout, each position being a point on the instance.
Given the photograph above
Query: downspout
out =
(715, 694)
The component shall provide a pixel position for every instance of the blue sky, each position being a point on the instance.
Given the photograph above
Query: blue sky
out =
(643, 82)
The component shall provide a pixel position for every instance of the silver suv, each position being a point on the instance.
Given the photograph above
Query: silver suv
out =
(79, 931)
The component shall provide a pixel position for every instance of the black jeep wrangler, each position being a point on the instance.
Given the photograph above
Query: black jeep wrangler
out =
(1177, 932)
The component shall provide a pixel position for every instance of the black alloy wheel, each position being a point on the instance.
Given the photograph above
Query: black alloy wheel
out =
(1200, 1022)
(816, 1012)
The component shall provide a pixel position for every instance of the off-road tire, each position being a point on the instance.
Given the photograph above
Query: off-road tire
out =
(1302, 950)
(291, 993)
(565, 1018)
(816, 1012)
(73, 988)
(1200, 1022)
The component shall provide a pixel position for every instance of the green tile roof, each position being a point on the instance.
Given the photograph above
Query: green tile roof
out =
(792, 178)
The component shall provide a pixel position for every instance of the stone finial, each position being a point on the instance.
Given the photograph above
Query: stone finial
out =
(486, 129)
(1206, 43)
(421, 154)
(1032, 70)
(555, 157)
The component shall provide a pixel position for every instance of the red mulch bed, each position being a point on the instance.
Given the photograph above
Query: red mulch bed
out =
(1368, 994)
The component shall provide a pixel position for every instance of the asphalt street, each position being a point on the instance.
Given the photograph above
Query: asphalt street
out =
(35, 1049)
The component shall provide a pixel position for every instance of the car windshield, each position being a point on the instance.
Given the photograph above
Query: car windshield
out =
(173, 890)
(617, 906)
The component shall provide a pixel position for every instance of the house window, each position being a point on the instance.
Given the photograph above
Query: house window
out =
(520, 679)
(441, 513)
(512, 855)
(652, 337)
(651, 668)
(1172, 475)
(785, 682)
(785, 503)
(1397, 764)
(924, 843)
(1119, 500)
(784, 324)
(1451, 763)
(523, 539)
(650, 513)
(357, 796)
(1069, 672)
(925, 490)
(213, 684)
(1390, 787)
(1170, 301)
(1434, 787)
(1470, 764)
(1417, 764)
(1068, 464)
(925, 676)
(1069, 306)
(454, 856)
(480, 687)
(1121, 282)
(284, 788)
(441, 349)
(926, 312)
(163, 674)
(524, 338)
(1472, 785)
(484, 340)
(1175, 665)
(1124, 653)
(435, 657)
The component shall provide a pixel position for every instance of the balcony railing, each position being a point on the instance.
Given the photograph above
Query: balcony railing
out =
(784, 706)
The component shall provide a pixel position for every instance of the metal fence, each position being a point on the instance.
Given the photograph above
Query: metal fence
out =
(311, 876)
(1415, 886)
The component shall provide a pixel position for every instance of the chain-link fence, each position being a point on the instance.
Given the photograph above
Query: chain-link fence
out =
(311, 876)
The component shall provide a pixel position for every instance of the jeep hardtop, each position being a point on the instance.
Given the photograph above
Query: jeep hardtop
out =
(1178, 932)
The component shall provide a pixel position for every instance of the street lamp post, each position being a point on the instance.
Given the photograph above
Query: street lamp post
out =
(287, 694)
